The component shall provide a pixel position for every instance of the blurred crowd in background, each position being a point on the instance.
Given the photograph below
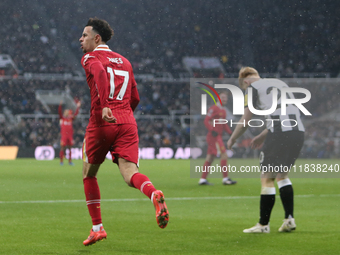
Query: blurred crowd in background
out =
(167, 101)
(277, 37)
(284, 36)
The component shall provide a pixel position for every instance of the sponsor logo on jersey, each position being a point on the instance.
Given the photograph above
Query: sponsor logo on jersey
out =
(87, 56)
(65, 122)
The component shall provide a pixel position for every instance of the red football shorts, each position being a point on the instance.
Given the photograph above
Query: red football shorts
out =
(66, 141)
(214, 144)
(121, 140)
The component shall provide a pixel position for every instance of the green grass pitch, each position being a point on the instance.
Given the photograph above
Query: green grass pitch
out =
(43, 211)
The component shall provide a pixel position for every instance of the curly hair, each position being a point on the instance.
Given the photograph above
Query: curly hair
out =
(102, 27)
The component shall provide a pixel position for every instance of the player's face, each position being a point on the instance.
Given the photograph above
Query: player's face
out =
(87, 40)
(224, 98)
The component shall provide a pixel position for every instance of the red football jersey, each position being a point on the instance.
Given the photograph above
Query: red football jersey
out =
(112, 84)
(66, 123)
(216, 112)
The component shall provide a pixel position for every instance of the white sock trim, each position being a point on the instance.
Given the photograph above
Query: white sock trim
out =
(143, 184)
(94, 201)
(268, 191)
(284, 182)
(96, 228)
(152, 197)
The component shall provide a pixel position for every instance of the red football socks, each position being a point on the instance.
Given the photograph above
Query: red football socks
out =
(224, 166)
(92, 194)
(142, 182)
(205, 170)
(61, 156)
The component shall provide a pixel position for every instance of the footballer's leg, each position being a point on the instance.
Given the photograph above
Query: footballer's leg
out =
(267, 202)
(287, 198)
(70, 153)
(294, 144)
(211, 154)
(95, 147)
(225, 171)
(61, 153)
(140, 181)
(92, 194)
(208, 160)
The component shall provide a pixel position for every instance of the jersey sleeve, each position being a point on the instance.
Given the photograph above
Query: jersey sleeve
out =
(76, 113)
(92, 65)
(60, 111)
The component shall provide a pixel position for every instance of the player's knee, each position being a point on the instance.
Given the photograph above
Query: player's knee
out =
(129, 183)
(88, 174)
(224, 155)
(210, 158)
(127, 178)
(267, 182)
(90, 170)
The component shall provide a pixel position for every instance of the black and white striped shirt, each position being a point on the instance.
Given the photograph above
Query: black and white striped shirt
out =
(262, 98)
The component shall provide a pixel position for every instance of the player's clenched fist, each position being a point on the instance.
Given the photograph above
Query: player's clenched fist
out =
(107, 115)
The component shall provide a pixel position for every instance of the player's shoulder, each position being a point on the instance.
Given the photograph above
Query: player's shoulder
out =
(268, 82)
(87, 57)
(214, 108)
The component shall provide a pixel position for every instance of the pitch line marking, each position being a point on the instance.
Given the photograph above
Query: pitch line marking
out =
(145, 199)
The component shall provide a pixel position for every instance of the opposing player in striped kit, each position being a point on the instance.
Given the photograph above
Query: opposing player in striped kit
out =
(282, 145)
(112, 126)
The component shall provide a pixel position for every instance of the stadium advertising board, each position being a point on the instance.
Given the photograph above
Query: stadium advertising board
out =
(8, 152)
(48, 153)
(44, 153)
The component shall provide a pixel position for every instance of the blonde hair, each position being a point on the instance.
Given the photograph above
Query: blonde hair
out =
(247, 71)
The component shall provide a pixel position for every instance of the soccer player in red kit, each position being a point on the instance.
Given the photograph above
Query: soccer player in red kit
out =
(112, 126)
(214, 141)
(66, 130)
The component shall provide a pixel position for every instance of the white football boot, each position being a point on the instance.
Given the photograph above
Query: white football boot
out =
(288, 225)
(258, 228)
(204, 182)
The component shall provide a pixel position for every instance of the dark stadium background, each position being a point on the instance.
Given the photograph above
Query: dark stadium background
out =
(285, 39)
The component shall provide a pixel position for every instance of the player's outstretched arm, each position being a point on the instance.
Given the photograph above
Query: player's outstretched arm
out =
(77, 110)
(208, 120)
(60, 110)
(227, 129)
